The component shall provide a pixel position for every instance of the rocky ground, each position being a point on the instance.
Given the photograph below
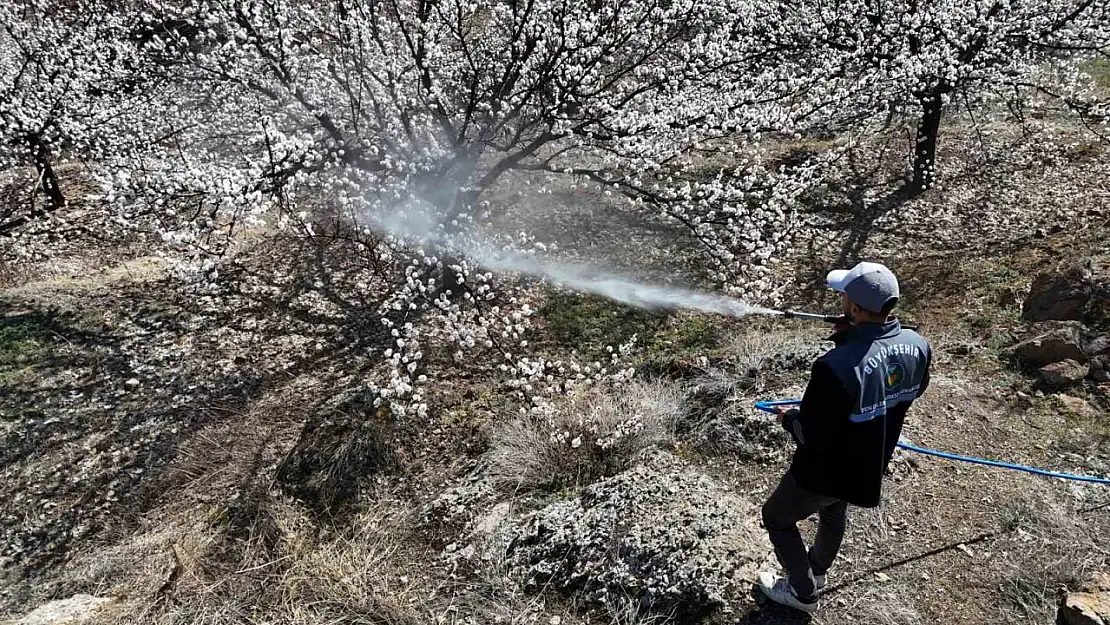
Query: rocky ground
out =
(166, 463)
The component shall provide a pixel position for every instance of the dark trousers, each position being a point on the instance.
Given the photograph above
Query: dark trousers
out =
(789, 504)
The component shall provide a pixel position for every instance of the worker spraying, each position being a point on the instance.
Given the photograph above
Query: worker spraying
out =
(846, 429)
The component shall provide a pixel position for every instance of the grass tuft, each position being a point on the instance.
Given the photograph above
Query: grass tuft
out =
(587, 437)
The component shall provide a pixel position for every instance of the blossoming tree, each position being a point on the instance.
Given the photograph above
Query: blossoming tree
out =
(387, 125)
(873, 59)
(71, 89)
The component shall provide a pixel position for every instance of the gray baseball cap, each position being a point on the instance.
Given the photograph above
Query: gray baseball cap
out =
(870, 285)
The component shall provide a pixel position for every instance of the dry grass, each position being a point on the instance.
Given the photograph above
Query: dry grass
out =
(589, 436)
(879, 606)
(870, 527)
(286, 571)
(9, 277)
(227, 547)
(624, 611)
(353, 577)
(492, 595)
(751, 353)
(368, 573)
(1050, 547)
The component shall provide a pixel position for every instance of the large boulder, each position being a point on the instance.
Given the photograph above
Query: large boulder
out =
(1059, 294)
(1076, 292)
(1049, 342)
(1088, 606)
(1063, 373)
(659, 538)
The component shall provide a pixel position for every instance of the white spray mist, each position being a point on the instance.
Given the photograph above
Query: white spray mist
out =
(415, 223)
(620, 288)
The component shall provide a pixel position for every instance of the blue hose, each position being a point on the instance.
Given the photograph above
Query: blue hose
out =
(769, 406)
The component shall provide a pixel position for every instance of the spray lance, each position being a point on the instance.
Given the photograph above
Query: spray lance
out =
(793, 314)
(834, 319)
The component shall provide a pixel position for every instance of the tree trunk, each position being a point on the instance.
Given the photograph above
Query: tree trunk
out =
(453, 193)
(442, 193)
(449, 279)
(55, 199)
(925, 152)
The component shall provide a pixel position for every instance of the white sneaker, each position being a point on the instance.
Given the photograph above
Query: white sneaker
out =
(779, 590)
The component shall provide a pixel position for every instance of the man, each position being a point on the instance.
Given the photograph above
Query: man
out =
(846, 429)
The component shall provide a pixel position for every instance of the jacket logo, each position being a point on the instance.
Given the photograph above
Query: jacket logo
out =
(894, 375)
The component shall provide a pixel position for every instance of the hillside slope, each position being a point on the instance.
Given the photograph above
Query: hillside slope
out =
(196, 465)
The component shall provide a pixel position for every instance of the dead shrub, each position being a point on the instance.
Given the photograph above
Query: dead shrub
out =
(589, 436)
(335, 453)
(1049, 547)
(764, 358)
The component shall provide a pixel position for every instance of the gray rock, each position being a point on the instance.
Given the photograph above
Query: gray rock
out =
(1050, 342)
(77, 609)
(660, 537)
(488, 525)
(1099, 345)
(1063, 373)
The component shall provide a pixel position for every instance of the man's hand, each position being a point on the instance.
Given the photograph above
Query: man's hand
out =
(780, 412)
(842, 323)
(793, 413)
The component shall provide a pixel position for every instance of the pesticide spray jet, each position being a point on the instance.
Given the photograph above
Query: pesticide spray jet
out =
(628, 291)
(417, 224)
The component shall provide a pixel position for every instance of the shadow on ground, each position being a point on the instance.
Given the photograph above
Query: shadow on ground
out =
(101, 385)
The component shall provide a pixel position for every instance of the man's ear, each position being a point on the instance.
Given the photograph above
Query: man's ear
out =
(854, 310)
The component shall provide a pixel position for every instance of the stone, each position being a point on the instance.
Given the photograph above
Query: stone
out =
(1078, 406)
(1063, 373)
(659, 537)
(488, 525)
(1083, 609)
(1078, 292)
(1090, 605)
(1051, 342)
(1099, 345)
(73, 611)
(961, 349)
(1060, 294)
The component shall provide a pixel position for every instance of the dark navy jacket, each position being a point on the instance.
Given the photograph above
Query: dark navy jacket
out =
(853, 410)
